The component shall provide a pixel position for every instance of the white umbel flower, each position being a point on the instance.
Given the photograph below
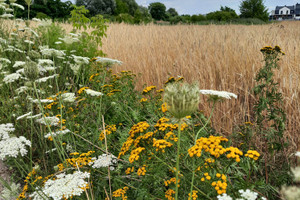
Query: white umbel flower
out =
(17, 5)
(5, 130)
(221, 94)
(248, 194)
(108, 61)
(44, 79)
(45, 62)
(104, 160)
(93, 92)
(23, 116)
(5, 59)
(13, 146)
(224, 197)
(53, 134)
(6, 16)
(10, 78)
(297, 154)
(68, 97)
(19, 64)
(81, 60)
(51, 121)
(66, 185)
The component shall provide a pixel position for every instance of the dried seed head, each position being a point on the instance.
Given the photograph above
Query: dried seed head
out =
(31, 70)
(182, 99)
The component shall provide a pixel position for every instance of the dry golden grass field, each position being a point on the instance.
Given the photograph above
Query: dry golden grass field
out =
(220, 57)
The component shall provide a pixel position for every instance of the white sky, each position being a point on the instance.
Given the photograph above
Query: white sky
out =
(205, 6)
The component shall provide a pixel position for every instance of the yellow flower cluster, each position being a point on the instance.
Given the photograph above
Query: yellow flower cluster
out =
(207, 177)
(220, 185)
(138, 128)
(164, 107)
(82, 160)
(142, 171)
(25, 188)
(161, 125)
(143, 100)
(161, 144)
(121, 193)
(129, 170)
(271, 50)
(210, 145)
(160, 91)
(92, 76)
(134, 155)
(170, 135)
(49, 106)
(252, 154)
(172, 180)
(169, 194)
(194, 195)
(172, 79)
(234, 153)
(207, 164)
(148, 89)
(82, 89)
(108, 130)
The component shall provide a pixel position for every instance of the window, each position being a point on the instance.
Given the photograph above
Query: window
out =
(281, 12)
(287, 12)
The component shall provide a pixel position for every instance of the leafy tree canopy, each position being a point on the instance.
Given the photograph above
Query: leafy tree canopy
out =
(254, 9)
(172, 12)
(157, 10)
(98, 6)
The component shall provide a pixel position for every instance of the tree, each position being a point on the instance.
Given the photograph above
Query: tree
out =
(254, 9)
(98, 6)
(157, 10)
(172, 12)
(121, 7)
(224, 14)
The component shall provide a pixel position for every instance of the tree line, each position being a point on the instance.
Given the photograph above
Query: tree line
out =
(129, 11)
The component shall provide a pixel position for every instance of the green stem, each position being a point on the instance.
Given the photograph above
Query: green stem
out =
(177, 160)
(208, 120)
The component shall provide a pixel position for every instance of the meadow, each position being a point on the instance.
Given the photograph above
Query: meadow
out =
(91, 110)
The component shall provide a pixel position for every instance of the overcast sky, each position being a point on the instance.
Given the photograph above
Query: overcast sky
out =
(205, 6)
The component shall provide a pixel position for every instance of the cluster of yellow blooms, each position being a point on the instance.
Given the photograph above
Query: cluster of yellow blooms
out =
(129, 170)
(170, 135)
(92, 76)
(164, 107)
(210, 145)
(169, 194)
(172, 79)
(252, 154)
(142, 171)
(194, 195)
(143, 100)
(161, 125)
(220, 186)
(234, 153)
(172, 180)
(82, 160)
(135, 129)
(271, 50)
(121, 193)
(207, 177)
(161, 144)
(108, 130)
(134, 155)
(148, 89)
(25, 188)
(82, 89)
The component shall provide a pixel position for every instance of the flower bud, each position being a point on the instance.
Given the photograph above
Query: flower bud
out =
(182, 99)
(31, 70)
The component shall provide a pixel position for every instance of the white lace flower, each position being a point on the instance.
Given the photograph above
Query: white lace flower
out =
(5, 60)
(108, 61)
(75, 68)
(44, 79)
(11, 193)
(81, 60)
(52, 52)
(45, 22)
(53, 134)
(23, 116)
(68, 97)
(248, 195)
(13, 146)
(69, 40)
(21, 89)
(297, 154)
(224, 197)
(17, 5)
(51, 121)
(103, 160)
(66, 185)
(221, 94)
(93, 92)
(10, 78)
(36, 19)
(6, 15)
(19, 64)
(34, 116)
(45, 62)
(5, 130)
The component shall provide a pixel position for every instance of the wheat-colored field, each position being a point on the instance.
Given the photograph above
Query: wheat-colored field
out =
(219, 57)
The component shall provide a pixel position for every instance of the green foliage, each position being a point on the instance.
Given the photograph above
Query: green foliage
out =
(224, 14)
(254, 9)
(97, 7)
(197, 18)
(171, 12)
(41, 15)
(97, 23)
(157, 10)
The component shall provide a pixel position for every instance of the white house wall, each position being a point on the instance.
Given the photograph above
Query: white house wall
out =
(284, 11)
